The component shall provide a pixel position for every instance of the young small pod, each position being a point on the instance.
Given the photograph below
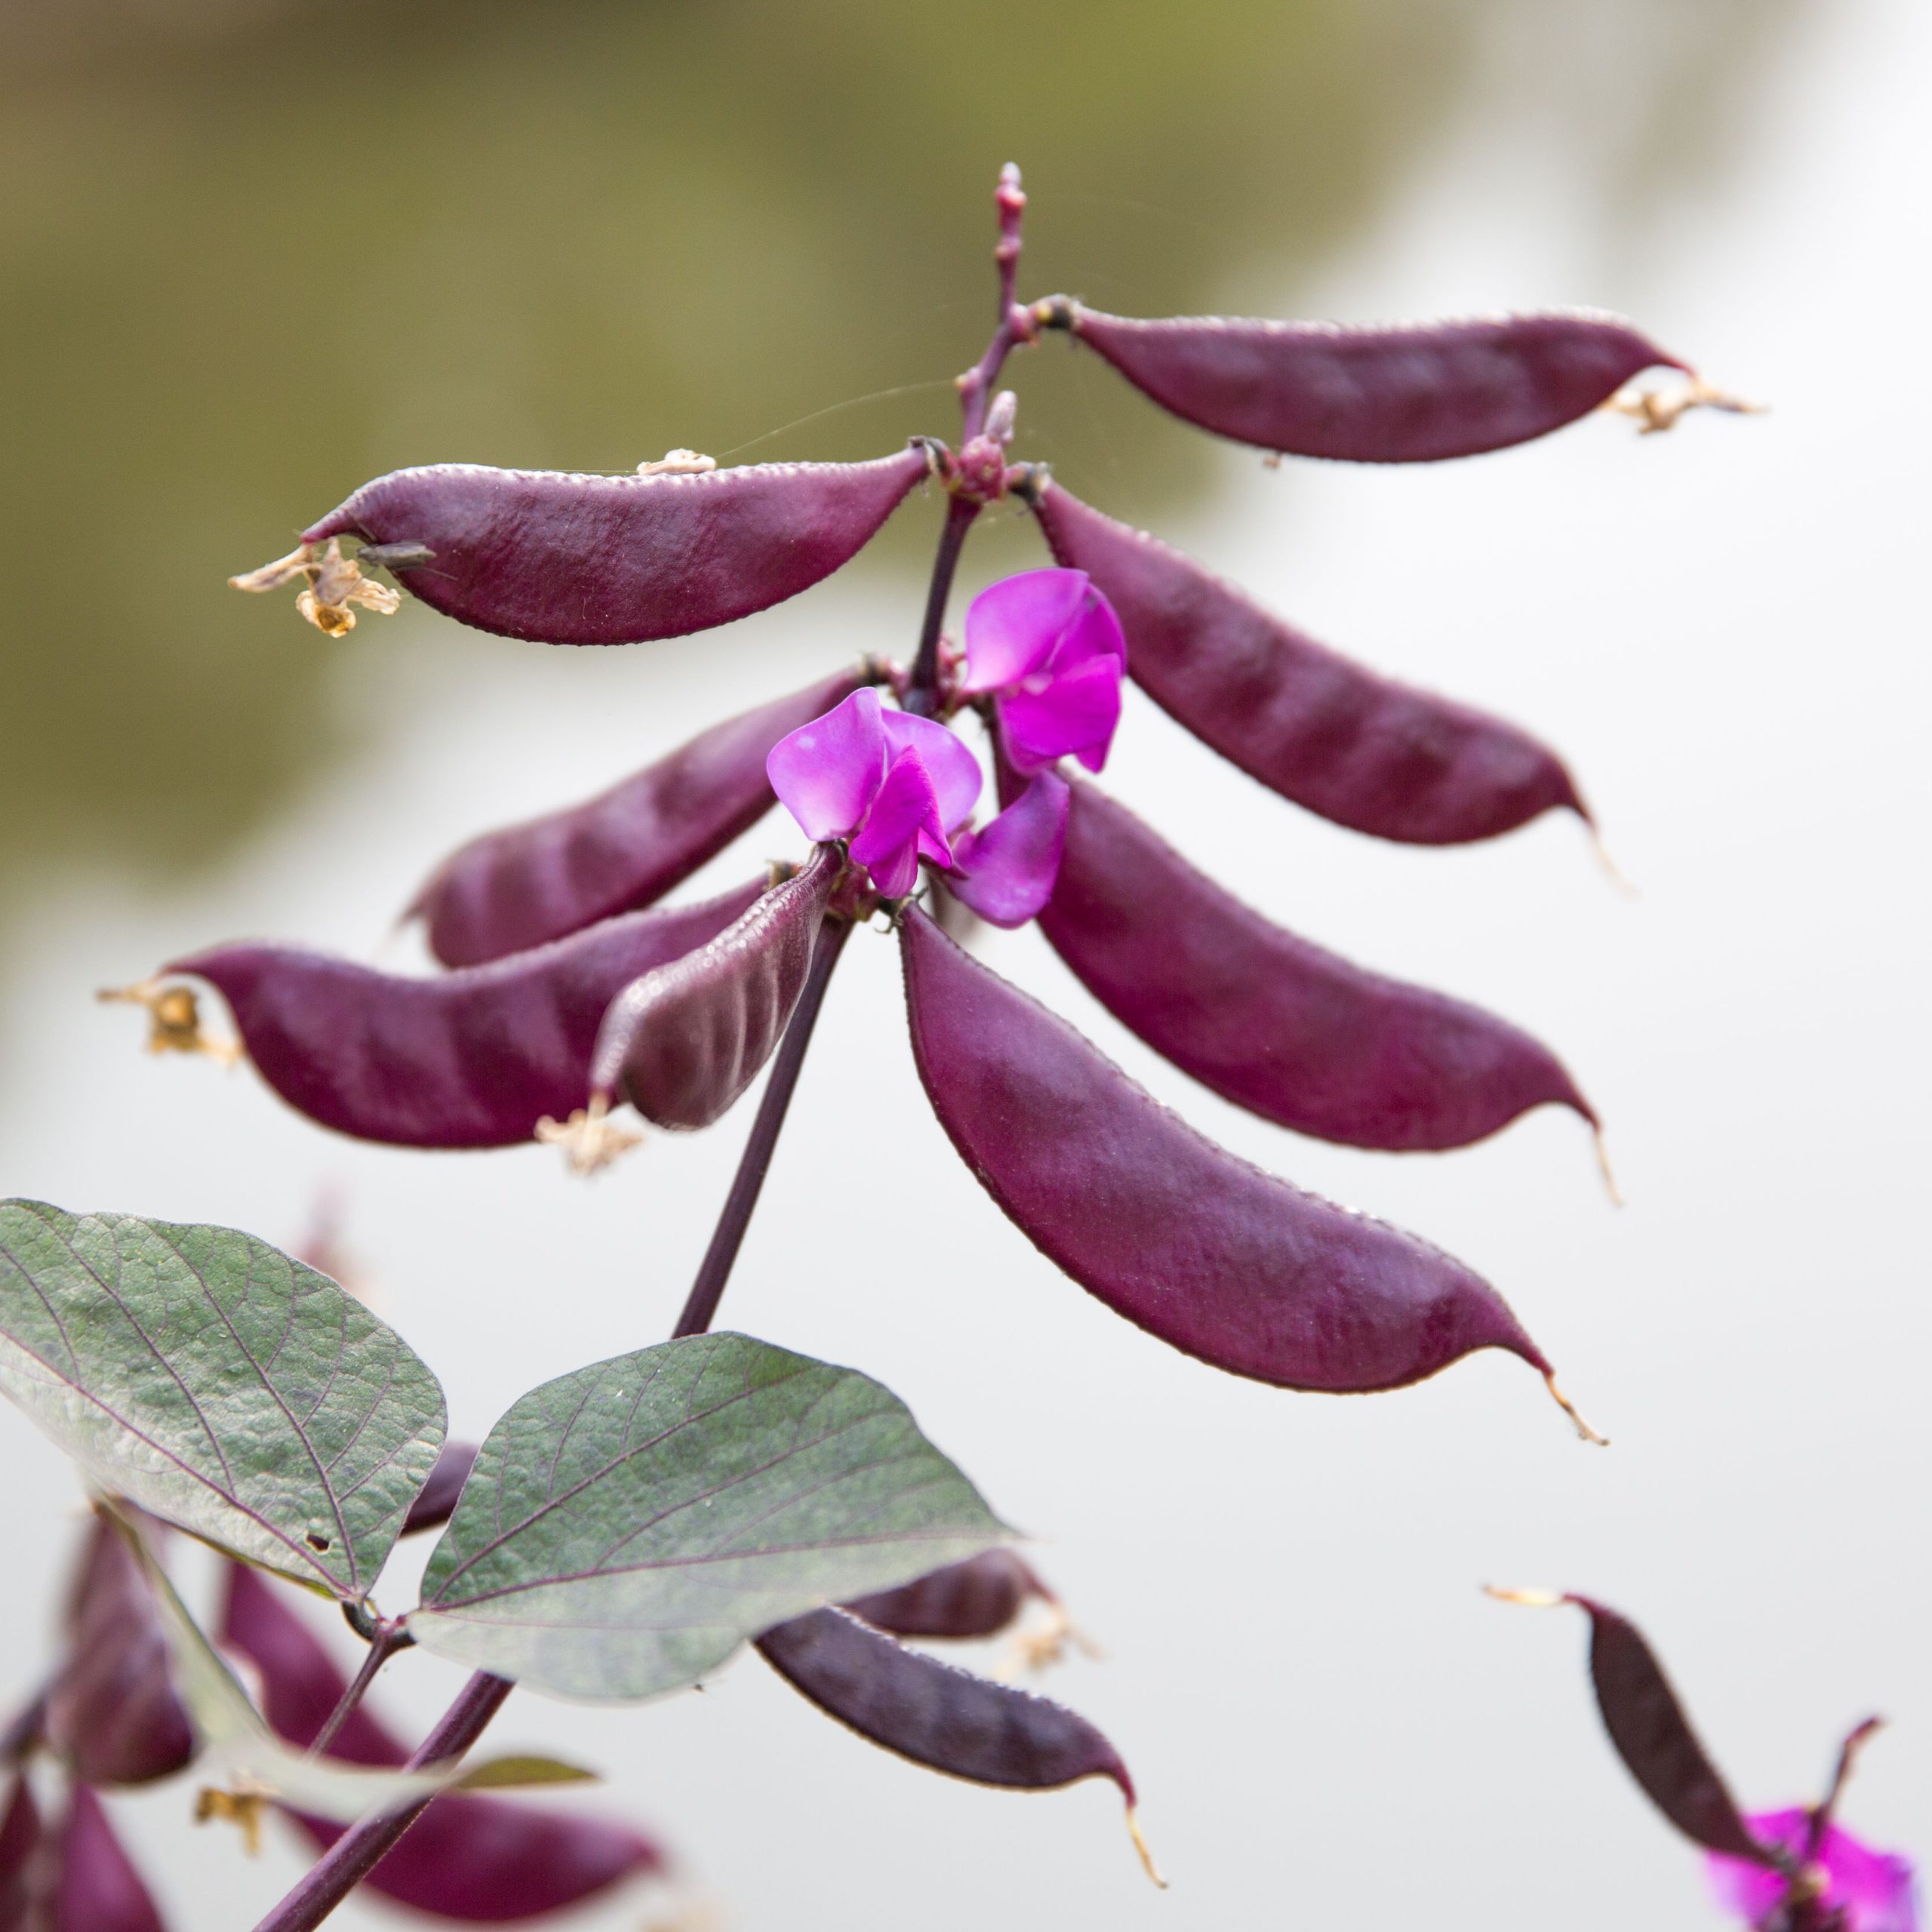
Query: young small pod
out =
(1414, 392)
(1216, 1258)
(474, 1059)
(685, 1040)
(481, 1860)
(96, 1888)
(1294, 1034)
(1356, 748)
(978, 1598)
(112, 1713)
(937, 1715)
(622, 851)
(562, 557)
(437, 1497)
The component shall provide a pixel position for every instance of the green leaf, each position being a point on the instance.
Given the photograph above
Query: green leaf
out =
(626, 1527)
(218, 1384)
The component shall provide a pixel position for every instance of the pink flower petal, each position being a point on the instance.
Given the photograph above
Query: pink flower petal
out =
(1094, 632)
(1006, 872)
(826, 773)
(904, 817)
(949, 761)
(1012, 625)
(1077, 713)
(1876, 1887)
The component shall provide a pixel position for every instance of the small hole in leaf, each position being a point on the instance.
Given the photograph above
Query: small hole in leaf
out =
(316, 1543)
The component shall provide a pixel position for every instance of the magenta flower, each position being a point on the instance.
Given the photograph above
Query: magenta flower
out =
(1862, 1890)
(1047, 647)
(899, 789)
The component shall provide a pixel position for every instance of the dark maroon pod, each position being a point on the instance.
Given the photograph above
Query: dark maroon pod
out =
(96, 1888)
(564, 558)
(1293, 1033)
(937, 1715)
(112, 1713)
(437, 1498)
(480, 1859)
(473, 1059)
(624, 849)
(1410, 392)
(683, 1042)
(1358, 748)
(978, 1598)
(1215, 1257)
(22, 1837)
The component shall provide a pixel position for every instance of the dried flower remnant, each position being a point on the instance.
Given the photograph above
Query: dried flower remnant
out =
(175, 1018)
(1657, 410)
(333, 583)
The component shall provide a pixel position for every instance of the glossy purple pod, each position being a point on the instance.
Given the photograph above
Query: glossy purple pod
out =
(978, 1597)
(564, 558)
(1414, 392)
(479, 1859)
(112, 1713)
(936, 1715)
(437, 1497)
(473, 1059)
(684, 1041)
(1653, 1737)
(96, 1888)
(1358, 748)
(626, 848)
(1215, 1257)
(22, 1838)
(1295, 1034)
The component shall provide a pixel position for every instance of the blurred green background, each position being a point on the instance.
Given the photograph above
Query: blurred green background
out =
(255, 252)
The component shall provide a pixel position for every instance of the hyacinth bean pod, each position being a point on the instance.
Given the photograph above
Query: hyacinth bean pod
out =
(1290, 1031)
(939, 1716)
(563, 558)
(1359, 749)
(1400, 393)
(22, 1835)
(978, 1597)
(438, 1496)
(474, 1059)
(481, 1860)
(1213, 1256)
(684, 1041)
(96, 1888)
(111, 1712)
(623, 850)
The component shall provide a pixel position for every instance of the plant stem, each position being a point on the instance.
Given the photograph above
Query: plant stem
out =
(390, 1637)
(922, 694)
(701, 1303)
(354, 1855)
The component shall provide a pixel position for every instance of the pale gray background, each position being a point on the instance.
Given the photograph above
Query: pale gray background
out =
(1724, 630)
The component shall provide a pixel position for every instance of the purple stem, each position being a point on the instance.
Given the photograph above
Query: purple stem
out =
(388, 1638)
(702, 1304)
(354, 1856)
(922, 693)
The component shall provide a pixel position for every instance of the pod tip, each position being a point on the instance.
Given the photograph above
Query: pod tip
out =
(1603, 1162)
(590, 1139)
(1617, 876)
(1570, 1410)
(175, 1018)
(1141, 1846)
(1527, 1599)
(1657, 410)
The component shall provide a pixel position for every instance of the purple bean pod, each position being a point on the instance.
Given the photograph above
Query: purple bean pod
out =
(96, 1888)
(1293, 1033)
(1216, 1258)
(1357, 748)
(22, 1838)
(978, 1598)
(437, 1497)
(111, 1712)
(473, 1059)
(483, 1861)
(685, 1040)
(1414, 392)
(563, 558)
(623, 850)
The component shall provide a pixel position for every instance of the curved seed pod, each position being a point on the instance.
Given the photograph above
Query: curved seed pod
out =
(569, 558)
(1357, 748)
(97, 1889)
(978, 1597)
(482, 1860)
(1215, 1257)
(111, 1712)
(475, 1059)
(438, 1496)
(1652, 1735)
(1293, 1033)
(945, 1719)
(626, 848)
(1405, 393)
(22, 1835)
(683, 1042)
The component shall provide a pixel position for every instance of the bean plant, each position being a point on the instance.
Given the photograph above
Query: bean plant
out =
(625, 1530)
